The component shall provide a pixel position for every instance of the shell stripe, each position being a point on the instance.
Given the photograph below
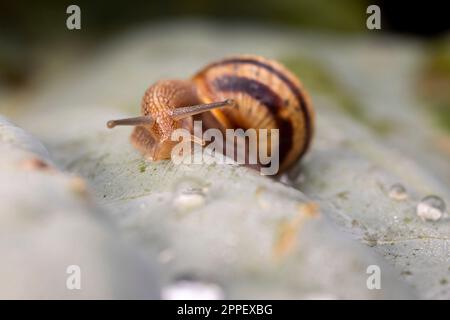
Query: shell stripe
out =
(291, 85)
(253, 88)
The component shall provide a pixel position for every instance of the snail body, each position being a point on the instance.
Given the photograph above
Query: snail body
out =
(244, 92)
(159, 102)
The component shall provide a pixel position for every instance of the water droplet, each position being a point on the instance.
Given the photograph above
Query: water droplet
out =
(192, 290)
(189, 194)
(398, 192)
(431, 208)
(189, 200)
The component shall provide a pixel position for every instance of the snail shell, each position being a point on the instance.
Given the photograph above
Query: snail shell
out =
(267, 95)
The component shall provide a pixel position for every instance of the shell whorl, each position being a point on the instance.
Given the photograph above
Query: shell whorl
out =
(268, 95)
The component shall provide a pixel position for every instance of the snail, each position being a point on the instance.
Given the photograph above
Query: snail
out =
(244, 91)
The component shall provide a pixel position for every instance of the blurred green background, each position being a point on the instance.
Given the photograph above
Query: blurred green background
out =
(27, 26)
(31, 31)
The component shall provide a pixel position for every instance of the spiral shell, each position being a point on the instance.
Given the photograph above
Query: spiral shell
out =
(268, 96)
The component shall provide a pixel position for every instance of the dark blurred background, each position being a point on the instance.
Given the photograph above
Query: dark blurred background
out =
(33, 20)
(27, 26)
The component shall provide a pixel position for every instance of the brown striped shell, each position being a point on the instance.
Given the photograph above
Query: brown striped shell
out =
(268, 96)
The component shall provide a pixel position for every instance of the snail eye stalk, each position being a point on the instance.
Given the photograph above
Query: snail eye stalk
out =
(184, 112)
(137, 121)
